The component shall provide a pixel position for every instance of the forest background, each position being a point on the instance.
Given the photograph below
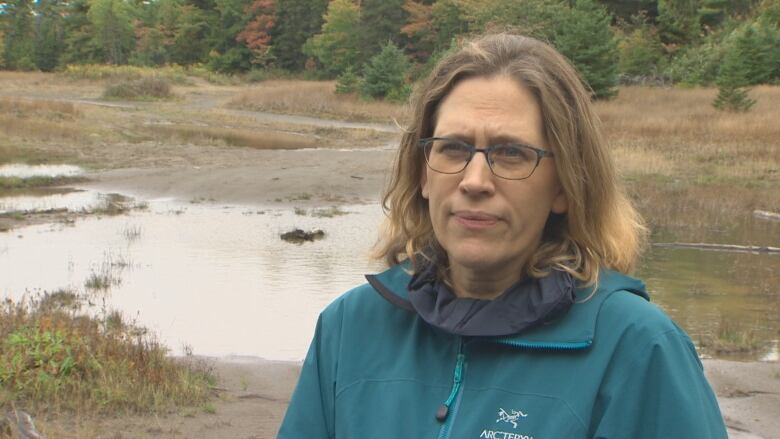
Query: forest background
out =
(379, 48)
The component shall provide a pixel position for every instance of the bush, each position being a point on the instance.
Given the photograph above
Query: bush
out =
(752, 54)
(733, 98)
(697, 65)
(385, 72)
(53, 355)
(140, 89)
(348, 82)
(641, 53)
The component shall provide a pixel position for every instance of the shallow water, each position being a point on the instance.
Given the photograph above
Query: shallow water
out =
(74, 201)
(220, 280)
(217, 278)
(29, 171)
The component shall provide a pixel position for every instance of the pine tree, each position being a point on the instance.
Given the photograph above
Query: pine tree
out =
(113, 29)
(18, 35)
(190, 42)
(336, 47)
(49, 33)
(227, 55)
(733, 76)
(585, 37)
(380, 23)
(385, 73)
(678, 22)
(296, 21)
(80, 46)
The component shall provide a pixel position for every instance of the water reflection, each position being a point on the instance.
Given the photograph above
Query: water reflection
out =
(29, 171)
(220, 280)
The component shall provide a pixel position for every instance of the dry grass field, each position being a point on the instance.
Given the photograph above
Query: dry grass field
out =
(315, 98)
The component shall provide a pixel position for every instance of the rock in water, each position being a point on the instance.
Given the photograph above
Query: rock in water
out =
(298, 236)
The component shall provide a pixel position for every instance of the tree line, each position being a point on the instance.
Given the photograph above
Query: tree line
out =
(379, 47)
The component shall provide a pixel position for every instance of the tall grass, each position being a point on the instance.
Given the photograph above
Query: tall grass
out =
(55, 356)
(315, 98)
(232, 136)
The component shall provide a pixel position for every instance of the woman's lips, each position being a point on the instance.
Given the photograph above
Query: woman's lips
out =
(475, 220)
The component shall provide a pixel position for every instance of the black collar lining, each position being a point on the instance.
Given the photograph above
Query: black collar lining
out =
(389, 295)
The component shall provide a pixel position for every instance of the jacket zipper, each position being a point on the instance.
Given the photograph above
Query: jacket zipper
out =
(549, 346)
(448, 410)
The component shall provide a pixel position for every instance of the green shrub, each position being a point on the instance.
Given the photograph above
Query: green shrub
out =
(55, 356)
(752, 54)
(348, 82)
(697, 65)
(385, 72)
(140, 89)
(641, 53)
(733, 98)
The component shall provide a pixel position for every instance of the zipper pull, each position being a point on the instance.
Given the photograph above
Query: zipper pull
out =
(444, 409)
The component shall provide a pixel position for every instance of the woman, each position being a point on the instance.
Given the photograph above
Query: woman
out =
(506, 312)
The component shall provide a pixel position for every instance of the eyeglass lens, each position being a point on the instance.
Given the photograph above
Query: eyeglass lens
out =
(507, 161)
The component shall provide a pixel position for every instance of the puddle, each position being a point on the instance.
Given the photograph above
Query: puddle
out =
(220, 280)
(28, 171)
(73, 201)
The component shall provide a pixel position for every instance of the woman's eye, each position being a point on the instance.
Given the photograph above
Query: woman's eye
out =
(452, 148)
(512, 152)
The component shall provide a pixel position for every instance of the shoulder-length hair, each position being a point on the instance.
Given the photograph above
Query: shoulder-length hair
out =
(600, 229)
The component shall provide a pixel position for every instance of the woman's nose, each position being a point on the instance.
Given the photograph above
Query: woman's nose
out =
(477, 176)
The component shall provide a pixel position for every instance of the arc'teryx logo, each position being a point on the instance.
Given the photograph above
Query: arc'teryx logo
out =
(503, 416)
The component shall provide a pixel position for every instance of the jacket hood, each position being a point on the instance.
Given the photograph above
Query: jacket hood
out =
(576, 329)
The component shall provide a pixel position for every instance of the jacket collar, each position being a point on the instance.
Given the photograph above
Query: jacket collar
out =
(575, 330)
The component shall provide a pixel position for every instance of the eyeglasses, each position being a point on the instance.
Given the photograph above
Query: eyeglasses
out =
(512, 161)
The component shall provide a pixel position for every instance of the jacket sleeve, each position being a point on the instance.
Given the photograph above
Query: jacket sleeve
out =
(311, 410)
(659, 391)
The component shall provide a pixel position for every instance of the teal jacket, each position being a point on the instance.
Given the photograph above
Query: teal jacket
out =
(615, 366)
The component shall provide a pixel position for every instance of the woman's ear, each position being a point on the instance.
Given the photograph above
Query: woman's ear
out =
(560, 204)
(424, 182)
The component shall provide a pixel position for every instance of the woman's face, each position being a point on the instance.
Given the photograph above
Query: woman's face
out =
(485, 223)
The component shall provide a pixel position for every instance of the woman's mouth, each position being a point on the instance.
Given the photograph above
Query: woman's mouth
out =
(475, 220)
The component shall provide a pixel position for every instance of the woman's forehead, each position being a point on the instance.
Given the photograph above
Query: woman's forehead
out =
(492, 109)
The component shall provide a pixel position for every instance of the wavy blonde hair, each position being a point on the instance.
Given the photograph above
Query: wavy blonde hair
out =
(600, 229)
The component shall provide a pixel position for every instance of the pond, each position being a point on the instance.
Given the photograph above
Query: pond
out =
(217, 279)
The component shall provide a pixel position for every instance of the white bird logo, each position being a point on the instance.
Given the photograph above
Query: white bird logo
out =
(503, 416)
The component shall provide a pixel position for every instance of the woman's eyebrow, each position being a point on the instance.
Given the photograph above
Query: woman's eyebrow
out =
(494, 140)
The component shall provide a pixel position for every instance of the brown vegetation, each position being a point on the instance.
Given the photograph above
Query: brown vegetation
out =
(54, 357)
(233, 137)
(315, 98)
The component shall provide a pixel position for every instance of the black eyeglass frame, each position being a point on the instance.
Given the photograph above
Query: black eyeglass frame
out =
(473, 150)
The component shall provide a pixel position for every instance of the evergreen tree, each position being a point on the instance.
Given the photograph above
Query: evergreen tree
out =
(585, 37)
(420, 35)
(641, 52)
(190, 43)
(227, 55)
(18, 35)
(678, 22)
(49, 33)
(625, 10)
(336, 47)
(448, 21)
(385, 73)
(380, 22)
(80, 47)
(296, 21)
(113, 29)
